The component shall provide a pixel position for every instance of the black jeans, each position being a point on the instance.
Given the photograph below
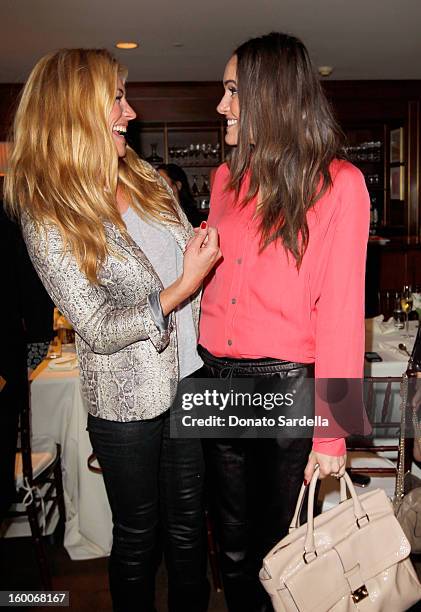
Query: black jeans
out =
(154, 486)
(253, 489)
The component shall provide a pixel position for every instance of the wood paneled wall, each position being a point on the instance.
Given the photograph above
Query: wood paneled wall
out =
(355, 102)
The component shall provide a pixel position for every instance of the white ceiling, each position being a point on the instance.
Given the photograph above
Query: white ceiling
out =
(363, 39)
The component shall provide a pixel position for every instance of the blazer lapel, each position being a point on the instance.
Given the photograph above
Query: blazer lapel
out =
(129, 245)
(180, 232)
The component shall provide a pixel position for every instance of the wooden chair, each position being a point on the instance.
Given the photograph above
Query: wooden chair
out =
(39, 486)
(375, 456)
(93, 466)
(372, 451)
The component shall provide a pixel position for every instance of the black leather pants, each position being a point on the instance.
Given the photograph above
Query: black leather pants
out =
(154, 486)
(253, 489)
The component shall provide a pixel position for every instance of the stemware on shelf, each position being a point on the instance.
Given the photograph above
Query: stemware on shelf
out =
(194, 187)
(195, 154)
(205, 184)
(154, 158)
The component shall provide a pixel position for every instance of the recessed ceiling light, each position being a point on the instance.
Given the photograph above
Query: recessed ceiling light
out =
(325, 71)
(126, 45)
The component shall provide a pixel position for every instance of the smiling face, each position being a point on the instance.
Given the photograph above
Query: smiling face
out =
(120, 116)
(229, 105)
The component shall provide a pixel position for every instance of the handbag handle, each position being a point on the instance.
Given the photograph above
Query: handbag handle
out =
(400, 476)
(295, 521)
(413, 369)
(359, 512)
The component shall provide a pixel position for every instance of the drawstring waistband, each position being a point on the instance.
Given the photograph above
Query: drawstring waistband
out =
(227, 367)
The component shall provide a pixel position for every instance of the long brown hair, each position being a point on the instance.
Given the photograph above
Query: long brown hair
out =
(285, 114)
(64, 167)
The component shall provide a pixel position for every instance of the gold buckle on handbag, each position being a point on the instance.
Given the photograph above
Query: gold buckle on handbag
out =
(359, 594)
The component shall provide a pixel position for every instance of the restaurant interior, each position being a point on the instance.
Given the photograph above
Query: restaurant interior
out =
(368, 56)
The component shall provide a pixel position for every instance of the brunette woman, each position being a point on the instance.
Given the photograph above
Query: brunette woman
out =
(287, 298)
(107, 239)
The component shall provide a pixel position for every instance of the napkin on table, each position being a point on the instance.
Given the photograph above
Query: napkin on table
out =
(380, 326)
(64, 364)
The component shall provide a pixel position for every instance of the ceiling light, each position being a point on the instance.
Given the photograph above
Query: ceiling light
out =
(325, 71)
(126, 45)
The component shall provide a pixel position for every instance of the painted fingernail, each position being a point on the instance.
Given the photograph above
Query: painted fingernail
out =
(203, 225)
(305, 482)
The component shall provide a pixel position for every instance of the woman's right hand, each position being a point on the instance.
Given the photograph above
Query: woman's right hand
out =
(201, 254)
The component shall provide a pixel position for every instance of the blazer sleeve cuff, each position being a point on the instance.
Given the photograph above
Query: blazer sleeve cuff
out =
(156, 325)
(155, 307)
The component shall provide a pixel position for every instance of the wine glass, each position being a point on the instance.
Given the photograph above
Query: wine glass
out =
(406, 305)
(398, 313)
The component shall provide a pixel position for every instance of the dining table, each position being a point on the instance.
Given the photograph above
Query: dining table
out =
(58, 410)
(392, 344)
(384, 338)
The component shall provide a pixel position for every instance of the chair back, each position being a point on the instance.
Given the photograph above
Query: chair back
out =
(24, 436)
(381, 387)
(380, 414)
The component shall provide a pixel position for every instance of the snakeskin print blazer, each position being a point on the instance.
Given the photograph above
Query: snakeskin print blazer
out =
(128, 367)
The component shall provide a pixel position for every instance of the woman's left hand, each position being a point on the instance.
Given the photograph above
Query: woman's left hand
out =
(328, 465)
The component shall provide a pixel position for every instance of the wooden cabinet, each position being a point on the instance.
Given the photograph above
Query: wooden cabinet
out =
(389, 268)
(198, 147)
(369, 147)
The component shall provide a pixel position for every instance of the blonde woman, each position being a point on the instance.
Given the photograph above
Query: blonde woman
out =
(107, 239)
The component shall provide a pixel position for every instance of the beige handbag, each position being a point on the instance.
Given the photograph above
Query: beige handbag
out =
(352, 557)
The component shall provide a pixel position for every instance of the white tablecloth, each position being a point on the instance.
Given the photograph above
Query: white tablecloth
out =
(384, 339)
(58, 411)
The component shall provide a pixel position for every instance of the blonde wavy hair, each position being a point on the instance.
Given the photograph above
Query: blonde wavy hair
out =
(64, 168)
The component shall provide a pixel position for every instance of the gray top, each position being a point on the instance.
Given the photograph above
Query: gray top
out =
(167, 259)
